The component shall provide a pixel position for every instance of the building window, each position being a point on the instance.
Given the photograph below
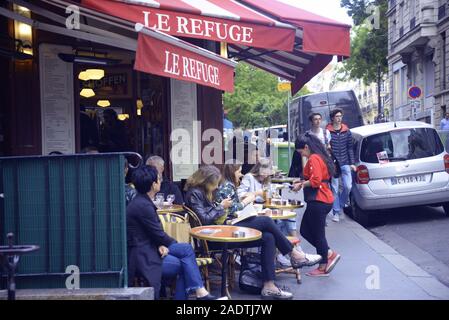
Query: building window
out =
(400, 23)
(429, 76)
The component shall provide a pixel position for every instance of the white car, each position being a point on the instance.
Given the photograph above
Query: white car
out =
(399, 164)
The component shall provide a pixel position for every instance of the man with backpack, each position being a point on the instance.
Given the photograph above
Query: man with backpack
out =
(342, 149)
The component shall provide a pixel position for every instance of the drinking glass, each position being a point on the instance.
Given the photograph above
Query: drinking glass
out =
(170, 199)
(159, 200)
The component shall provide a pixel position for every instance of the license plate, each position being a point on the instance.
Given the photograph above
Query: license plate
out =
(407, 180)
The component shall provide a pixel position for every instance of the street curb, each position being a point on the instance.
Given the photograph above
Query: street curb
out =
(420, 277)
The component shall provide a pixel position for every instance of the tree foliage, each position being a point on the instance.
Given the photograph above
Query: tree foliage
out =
(256, 101)
(369, 46)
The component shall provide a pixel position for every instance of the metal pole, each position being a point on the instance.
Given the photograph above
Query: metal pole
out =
(288, 126)
(379, 100)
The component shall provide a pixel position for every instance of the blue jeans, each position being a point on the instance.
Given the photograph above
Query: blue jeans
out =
(288, 227)
(342, 198)
(180, 264)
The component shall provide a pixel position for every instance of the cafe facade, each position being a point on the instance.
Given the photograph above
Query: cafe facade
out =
(161, 65)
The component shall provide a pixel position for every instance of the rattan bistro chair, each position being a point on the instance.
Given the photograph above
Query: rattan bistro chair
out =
(203, 250)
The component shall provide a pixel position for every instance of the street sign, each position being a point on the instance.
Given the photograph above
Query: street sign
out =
(284, 86)
(414, 92)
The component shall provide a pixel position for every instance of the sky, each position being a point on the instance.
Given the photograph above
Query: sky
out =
(326, 8)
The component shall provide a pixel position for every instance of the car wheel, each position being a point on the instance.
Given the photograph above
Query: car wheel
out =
(446, 208)
(365, 218)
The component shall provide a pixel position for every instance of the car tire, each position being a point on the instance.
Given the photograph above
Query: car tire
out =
(446, 208)
(365, 218)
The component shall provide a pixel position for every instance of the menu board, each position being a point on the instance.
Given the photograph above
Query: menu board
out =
(57, 100)
(185, 139)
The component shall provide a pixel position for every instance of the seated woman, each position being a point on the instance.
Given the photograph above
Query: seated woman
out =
(200, 188)
(153, 254)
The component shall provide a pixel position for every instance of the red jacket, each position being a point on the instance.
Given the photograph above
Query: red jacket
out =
(316, 171)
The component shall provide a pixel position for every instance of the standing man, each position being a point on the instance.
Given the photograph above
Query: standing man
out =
(323, 134)
(342, 149)
(444, 126)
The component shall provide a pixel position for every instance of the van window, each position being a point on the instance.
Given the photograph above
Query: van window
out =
(400, 145)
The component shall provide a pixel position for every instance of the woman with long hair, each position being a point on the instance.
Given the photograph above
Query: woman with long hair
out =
(317, 193)
(200, 189)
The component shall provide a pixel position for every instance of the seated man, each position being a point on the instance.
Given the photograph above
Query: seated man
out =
(167, 186)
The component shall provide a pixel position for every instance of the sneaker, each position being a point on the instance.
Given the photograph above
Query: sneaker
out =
(310, 260)
(317, 273)
(279, 294)
(283, 261)
(207, 297)
(336, 218)
(332, 261)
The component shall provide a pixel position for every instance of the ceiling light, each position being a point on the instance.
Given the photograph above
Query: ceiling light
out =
(103, 103)
(84, 76)
(87, 93)
(95, 74)
(123, 116)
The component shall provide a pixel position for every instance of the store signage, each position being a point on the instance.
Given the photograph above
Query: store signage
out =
(197, 26)
(166, 59)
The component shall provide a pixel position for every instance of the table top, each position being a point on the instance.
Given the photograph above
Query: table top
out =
(285, 215)
(223, 233)
(289, 206)
(171, 209)
(284, 179)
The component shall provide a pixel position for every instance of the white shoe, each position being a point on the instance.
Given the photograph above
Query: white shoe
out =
(283, 261)
(336, 218)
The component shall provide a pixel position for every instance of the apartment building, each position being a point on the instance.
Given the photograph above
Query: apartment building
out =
(418, 43)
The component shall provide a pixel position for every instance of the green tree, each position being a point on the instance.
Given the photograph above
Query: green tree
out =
(369, 44)
(256, 101)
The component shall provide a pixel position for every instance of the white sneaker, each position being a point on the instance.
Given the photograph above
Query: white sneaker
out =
(283, 261)
(336, 218)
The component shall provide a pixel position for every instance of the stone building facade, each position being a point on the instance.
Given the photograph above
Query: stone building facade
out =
(418, 44)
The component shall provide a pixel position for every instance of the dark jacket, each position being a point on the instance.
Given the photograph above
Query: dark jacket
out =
(168, 187)
(342, 145)
(145, 235)
(296, 170)
(207, 212)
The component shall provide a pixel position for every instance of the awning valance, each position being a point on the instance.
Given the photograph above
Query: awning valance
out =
(320, 35)
(167, 56)
(219, 20)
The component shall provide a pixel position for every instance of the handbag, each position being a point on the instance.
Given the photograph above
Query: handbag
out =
(250, 278)
(337, 171)
(177, 228)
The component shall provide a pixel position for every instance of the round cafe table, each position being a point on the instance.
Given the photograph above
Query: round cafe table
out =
(175, 208)
(284, 180)
(224, 235)
(283, 207)
(285, 215)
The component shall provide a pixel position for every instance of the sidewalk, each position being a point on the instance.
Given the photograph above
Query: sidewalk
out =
(399, 278)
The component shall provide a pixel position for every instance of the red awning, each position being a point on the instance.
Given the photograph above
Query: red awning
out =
(320, 34)
(219, 20)
(167, 56)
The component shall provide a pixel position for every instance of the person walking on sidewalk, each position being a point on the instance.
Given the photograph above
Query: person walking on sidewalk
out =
(317, 174)
(323, 134)
(342, 149)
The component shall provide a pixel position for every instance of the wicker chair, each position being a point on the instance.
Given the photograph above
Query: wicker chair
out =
(202, 247)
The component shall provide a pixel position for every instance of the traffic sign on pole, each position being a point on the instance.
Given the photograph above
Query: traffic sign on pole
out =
(414, 92)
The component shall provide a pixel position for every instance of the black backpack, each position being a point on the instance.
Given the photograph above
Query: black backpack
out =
(250, 278)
